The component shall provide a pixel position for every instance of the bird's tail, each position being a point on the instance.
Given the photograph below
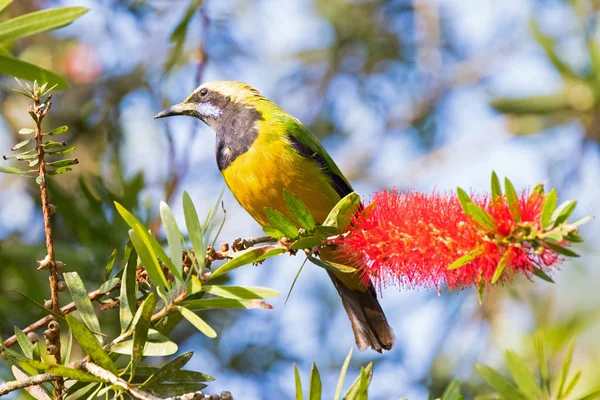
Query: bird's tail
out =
(369, 323)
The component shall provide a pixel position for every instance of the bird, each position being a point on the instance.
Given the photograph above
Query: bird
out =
(262, 150)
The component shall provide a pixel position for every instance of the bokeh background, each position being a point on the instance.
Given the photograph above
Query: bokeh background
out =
(419, 94)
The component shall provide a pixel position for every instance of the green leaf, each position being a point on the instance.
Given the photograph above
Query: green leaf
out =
(84, 305)
(128, 291)
(542, 358)
(271, 253)
(197, 322)
(522, 375)
(181, 375)
(343, 212)
(173, 235)
(24, 70)
(561, 250)
(593, 395)
(572, 383)
(294, 281)
(563, 212)
(240, 259)
(564, 372)
(315, 388)
(506, 389)
(148, 257)
(37, 22)
(542, 275)
(26, 131)
(360, 387)
(4, 4)
(299, 395)
(21, 144)
(482, 217)
(140, 333)
(466, 258)
(548, 208)
(501, 265)
(63, 163)
(110, 264)
(90, 344)
(215, 302)
(513, 200)
(582, 221)
(14, 170)
(298, 210)
(169, 369)
(323, 231)
(548, 44)
(60, 171)
(241, 292)
(156, 346)
(24, 343)
(464, 200)
(51, 144)
(155, 250)
(273, 232)
(496, 188)
(61, 370)
(282, 223)
(331, 266)
(194, 285)
(66, 352)
(452, 391)
(306, 243)
(176, 389)
(61, 151)
(57, 131)
(340, 384)
(194, 230)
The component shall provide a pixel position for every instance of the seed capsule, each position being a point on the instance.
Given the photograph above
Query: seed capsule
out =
(33, 337)
(51, 350)
(54, 326)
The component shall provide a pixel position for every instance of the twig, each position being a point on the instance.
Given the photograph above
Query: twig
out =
(39, 110)
(35, 380)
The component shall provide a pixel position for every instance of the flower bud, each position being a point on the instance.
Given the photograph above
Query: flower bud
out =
(51, 209)
(62, 286)
(45, 263)
(48, 304)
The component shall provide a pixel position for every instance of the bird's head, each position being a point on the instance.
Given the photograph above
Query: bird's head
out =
(212, 102)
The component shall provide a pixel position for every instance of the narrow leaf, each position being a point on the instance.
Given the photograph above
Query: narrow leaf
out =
(204, 304)
(24, 343)
(452, 391)
(84, 305)
(561, 250)
(542, 275)
(498, 382)
(343, 212)
(332, 266)
(173, 235)
(563, 212)
(306, 243)
(282, 223)
(564, 372)
(110, 264)
(3, 5)
(340, 384)
(522, 375)
(464, 200)
(466, 258)
(61, 370)
(299, 395)
(548, 209)
(273, 232)
(24, 70)
(298, 210)
(140, 333)
(90, 344)
(128, 291)
(61, 151)
(197, 322)
(168, 370)
(21, 144)
(241, 292)
(482, 217)
(148, 257)
(500, 268)
(241, 258)
(513, 200)
(496, 188)
(315, 389)
(14, 170)
(57, 131)
(37, 22)
(360, 387)
(194, 230)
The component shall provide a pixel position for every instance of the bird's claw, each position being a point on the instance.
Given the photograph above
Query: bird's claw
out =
(239, 244)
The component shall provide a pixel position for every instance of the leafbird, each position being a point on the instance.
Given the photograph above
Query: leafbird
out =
(262, 150)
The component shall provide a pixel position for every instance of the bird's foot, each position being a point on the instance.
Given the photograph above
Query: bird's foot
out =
(240, 243)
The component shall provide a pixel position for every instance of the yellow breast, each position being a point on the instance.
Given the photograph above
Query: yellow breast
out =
(257, 179)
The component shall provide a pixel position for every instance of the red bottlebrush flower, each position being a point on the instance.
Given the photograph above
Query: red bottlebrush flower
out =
(411, 239)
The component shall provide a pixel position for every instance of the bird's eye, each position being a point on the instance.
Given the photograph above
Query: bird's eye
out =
(203, 92)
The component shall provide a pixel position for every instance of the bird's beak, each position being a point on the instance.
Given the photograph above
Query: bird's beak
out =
(177, 109)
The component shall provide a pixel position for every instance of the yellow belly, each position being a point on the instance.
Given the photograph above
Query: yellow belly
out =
(257, 179)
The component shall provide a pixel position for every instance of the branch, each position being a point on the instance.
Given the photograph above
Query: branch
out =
(35, 380)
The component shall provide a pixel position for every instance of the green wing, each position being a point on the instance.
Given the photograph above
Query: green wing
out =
(307, 145)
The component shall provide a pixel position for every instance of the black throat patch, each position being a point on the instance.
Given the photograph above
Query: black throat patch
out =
(236, 131)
